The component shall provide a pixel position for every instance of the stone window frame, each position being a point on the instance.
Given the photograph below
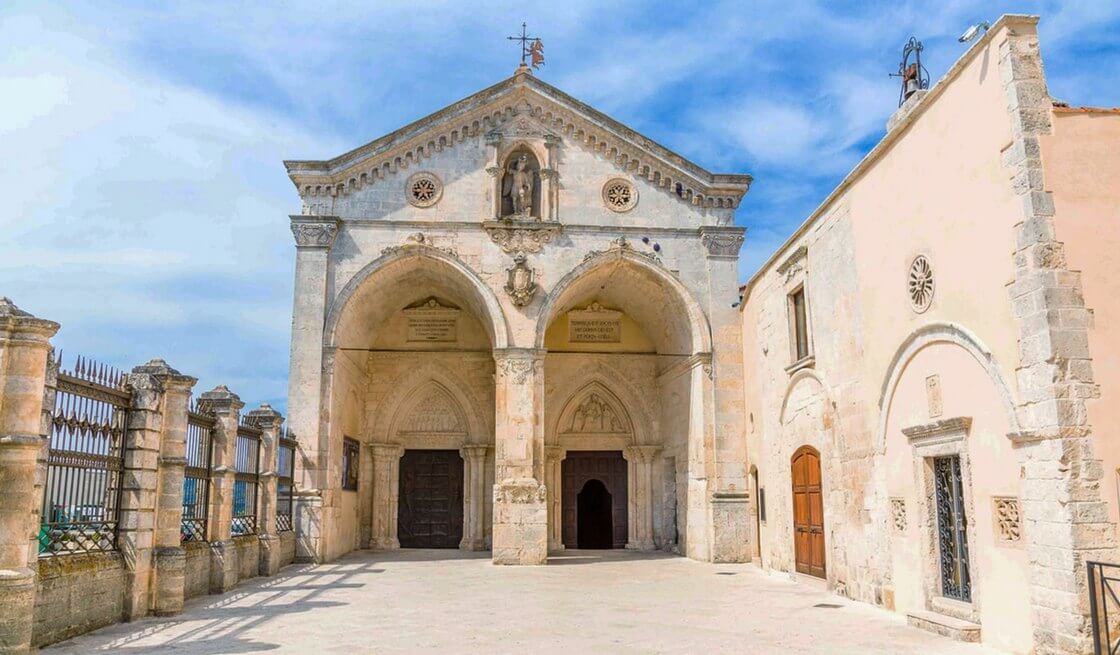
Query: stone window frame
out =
(943, 438)
(795, 272)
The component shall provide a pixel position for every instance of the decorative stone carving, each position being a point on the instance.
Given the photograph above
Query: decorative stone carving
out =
(414, 240)
(920, 284)
(898, 514)
(933, 395)
(722, 244)
(432, 321)
(620, 195)
(434, 413)
(521, 281)
(1005, 511)
(621, 245)
(520, 492)
(516, 369)
(595, 324)
(423, 189)
(314, 235)
(521, 236)
(595, 415)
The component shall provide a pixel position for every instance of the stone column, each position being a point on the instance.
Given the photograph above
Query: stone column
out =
(226, 407)
(699, 467)
(640, 490)
(168, 558)
(269, 421)
(365, 498)
(554, 464)
(520, 507)
(24, 346)
(474, 496)
(314, 236)
(729, 491)
(386, 474)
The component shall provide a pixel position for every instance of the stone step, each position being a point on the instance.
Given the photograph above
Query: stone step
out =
(946, 626)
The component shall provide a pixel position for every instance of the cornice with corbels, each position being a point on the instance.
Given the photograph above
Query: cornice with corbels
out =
(630, 153)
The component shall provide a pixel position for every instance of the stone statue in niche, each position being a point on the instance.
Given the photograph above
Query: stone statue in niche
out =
(521, 187)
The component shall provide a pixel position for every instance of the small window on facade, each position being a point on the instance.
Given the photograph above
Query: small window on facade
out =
(800, 324)
(762, 504)
(350, 450)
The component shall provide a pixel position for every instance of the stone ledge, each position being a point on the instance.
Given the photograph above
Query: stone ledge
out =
(946, 626)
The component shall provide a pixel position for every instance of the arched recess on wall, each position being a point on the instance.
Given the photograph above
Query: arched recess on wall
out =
(643, 427)
(657, 300)
(941, 333)
(363, 304)
(410, 388)
(805, 376)
(594, 410)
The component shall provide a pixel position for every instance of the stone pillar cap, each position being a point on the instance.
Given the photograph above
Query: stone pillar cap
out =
(8, 308)
(264, 415)
(155, 366)
(11, 315)
(220, 395)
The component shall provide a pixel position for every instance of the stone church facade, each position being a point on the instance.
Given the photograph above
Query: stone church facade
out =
(518, 328)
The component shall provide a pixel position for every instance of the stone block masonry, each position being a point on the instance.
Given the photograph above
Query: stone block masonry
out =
(64, 578)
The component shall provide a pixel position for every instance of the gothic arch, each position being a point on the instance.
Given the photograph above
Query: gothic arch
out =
(409, 389)
(930, 334)
(395, 262)
(594, 409)
(642, 428)
(699, 335)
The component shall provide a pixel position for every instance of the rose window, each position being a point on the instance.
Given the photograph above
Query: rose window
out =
(921, 284)
(424, 190)
(620, 195)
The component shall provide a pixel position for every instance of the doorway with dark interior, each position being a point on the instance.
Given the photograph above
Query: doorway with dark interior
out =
(593, 512)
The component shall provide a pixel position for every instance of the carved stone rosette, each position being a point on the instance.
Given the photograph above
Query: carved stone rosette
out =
(317, 233)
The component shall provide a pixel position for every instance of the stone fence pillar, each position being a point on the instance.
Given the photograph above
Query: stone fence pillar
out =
(168, 557)
(226, 407)
(24, 346)
(269, 421)
(520, 507)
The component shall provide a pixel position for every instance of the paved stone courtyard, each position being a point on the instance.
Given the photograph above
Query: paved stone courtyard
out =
(584, 601)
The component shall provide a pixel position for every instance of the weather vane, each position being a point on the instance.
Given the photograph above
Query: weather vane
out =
(531, 48)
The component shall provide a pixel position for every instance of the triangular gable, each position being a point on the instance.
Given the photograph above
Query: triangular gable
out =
(535, 105)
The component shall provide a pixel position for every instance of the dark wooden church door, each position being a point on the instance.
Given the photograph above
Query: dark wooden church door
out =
(430, 504)
(578, 469)
(808, 512)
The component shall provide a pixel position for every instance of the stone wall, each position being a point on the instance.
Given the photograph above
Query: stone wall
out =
(78, 593)
(248, 556)
(287, 548)
(197, 569)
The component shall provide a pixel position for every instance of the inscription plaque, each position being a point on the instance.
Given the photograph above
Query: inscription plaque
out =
(432, 321)
(595, 324)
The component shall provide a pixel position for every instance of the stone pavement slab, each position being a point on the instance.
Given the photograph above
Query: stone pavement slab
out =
(583, 602)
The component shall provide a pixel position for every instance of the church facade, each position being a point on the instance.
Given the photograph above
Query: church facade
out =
(518, 327)
(505, 312)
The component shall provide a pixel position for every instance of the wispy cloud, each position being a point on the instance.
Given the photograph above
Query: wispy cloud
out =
(145, 203)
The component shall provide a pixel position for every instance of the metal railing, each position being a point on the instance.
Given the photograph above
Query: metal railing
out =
(1104, 606)
(82, 495)
(245, 480)
(196, 474)
(285, 474)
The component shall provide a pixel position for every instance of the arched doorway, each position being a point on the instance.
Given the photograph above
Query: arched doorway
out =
(808, 512)
(593, 512)
(582, 504)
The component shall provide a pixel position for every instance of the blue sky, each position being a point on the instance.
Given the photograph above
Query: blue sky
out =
(145, 203)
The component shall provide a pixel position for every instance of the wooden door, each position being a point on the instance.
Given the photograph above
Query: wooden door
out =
(430, 504)
(607, 466)
(808, 512)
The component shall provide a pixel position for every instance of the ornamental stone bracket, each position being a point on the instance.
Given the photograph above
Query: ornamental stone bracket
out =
(314, 231)
(722, 242)
(515, 236)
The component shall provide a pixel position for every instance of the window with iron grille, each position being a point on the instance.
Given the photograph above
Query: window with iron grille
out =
(196, 475)
(285, 473)
(82, 493)
(246, 471)
(350, 450)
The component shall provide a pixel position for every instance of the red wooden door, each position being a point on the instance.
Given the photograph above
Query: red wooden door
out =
(808, 512)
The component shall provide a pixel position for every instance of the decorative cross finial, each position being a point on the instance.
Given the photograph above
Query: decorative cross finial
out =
(531, 48)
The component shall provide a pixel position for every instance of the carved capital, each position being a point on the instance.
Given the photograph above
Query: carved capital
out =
(317, 232)
(516, 365)
(722, 242)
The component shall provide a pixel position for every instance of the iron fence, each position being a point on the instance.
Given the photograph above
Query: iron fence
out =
(245, 481)
(82, 496)
(285, 473)
(1104, 606)
(196, 475)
